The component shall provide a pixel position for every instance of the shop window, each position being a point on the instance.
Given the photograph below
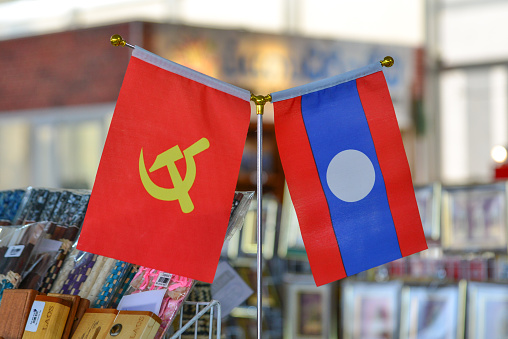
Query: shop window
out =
(58, 148)
(14, 153)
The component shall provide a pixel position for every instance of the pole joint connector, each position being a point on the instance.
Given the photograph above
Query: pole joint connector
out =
(260, 101)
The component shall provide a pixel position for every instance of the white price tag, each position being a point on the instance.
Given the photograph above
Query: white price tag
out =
(163, 279)
(14, 251)
(35, 316)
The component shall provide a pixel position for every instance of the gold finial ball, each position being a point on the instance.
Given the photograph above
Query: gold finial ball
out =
(387, 61)
(117, 40)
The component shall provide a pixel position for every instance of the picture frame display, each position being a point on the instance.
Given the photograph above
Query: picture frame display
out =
(429, 312)
(474, 218)
(428, 198)
(309, 310)
(487, 310)
(370, 310)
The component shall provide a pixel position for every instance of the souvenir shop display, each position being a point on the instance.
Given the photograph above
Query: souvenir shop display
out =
(40, 264)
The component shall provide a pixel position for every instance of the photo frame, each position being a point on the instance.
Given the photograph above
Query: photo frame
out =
(309, 312)
(291, 244)
(487, 310)
(370, 310)
(429, 312)
(474, 218)
(243, 244)
(428, 198)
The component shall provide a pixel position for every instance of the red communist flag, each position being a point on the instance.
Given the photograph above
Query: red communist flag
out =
(166, 180)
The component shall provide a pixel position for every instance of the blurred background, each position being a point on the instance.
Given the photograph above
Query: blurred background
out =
(448, 85)
(60, 77)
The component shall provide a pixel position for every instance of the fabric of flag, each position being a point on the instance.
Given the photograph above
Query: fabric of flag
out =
(167, 176)
(347, 173)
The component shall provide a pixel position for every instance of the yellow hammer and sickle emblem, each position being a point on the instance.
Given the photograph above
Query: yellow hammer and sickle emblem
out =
(181, 188)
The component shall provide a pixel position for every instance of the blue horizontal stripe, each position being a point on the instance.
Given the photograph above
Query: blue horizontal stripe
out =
(365, 231)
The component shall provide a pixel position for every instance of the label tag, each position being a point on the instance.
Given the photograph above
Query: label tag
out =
(35, 316)
(229, 288)
(163, 279)
(14, 251)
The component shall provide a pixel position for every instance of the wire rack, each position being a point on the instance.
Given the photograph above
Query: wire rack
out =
(202, 308)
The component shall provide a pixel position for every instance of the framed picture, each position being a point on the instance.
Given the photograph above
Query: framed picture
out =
(487, 315)
(428, 198)
(290, 241)
(475, 217)
(429, 312)
(308, 310)
(370, 310)
(244, 243)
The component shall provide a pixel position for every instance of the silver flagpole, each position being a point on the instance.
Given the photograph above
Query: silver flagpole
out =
(259, 190)
(260, 102)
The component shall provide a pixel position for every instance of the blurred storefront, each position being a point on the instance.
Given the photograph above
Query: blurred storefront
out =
(57, 100)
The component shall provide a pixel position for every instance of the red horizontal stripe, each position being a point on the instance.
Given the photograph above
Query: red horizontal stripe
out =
(384, 128)
(306, 193)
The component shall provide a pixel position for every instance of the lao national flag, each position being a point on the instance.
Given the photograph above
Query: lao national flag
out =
(347, 173)
(167, 176)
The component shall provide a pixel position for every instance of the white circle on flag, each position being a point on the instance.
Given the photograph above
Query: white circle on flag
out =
(350, 175)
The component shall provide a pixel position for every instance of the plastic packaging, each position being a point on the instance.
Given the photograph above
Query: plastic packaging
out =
(67, 267)
(54, 270)
(177, 289)
(42, 259)
(17, 245)
(241, 203)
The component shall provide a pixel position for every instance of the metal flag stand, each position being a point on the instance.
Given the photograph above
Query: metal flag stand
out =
(260, 101)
